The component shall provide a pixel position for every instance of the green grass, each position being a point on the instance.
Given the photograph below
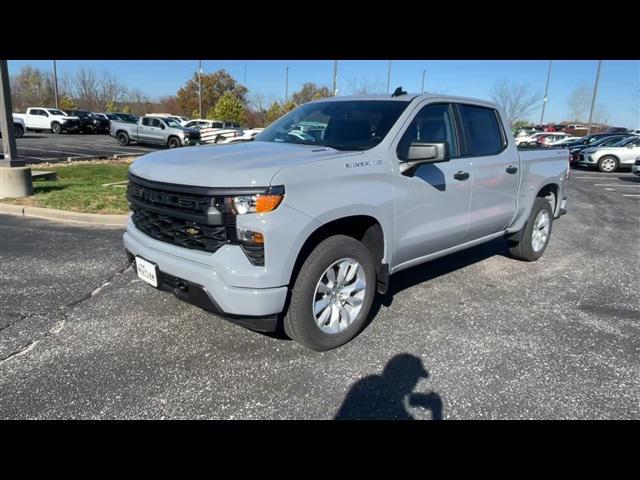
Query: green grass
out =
(78, 189)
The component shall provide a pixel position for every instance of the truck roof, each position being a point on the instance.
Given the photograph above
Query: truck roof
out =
(408, 97)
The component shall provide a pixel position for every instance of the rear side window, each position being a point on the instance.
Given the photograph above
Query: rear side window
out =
(482, 130)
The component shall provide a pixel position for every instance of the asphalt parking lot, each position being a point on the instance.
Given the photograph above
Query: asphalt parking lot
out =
(44, 147)
(82, 337)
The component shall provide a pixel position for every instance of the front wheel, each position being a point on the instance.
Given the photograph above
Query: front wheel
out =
(332, 295)
(56, 128)
(173, 142)
(608, 164)
(536, 234)
(123, 139)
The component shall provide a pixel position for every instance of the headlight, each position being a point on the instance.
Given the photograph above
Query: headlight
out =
(256, 203)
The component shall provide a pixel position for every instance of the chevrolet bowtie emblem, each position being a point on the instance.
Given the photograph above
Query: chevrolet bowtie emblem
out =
(192, 231)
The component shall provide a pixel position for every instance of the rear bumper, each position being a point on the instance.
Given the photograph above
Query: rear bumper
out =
(212, 281)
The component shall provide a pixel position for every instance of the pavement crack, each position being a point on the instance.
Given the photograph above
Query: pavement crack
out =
(21, 316)
(59, 325)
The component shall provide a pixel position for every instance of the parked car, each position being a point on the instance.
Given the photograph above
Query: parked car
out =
(181, 120)
(601, 141)
(40, 118)
(636, 167)
(590, 139)
(531, 140)
(635, 131)
(561, 141)
(617, 130)
(89, 122)
(247, 135)
(18, 127)
(215, 131)
(610, 158)
(305, 232)
(549, 139)
(154, 130)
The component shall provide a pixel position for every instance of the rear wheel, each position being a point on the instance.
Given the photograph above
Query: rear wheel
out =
(18, 131)
(123, 139)
(332, 295)
(608, 164)
(536, 234)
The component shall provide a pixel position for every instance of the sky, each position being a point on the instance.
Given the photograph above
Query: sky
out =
(618, 88)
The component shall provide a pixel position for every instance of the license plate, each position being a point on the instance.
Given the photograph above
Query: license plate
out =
(147, 271)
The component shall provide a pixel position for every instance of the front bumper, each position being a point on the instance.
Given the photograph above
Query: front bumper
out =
(218, 278)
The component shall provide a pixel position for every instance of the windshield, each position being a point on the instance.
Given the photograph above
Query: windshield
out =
(57, 112)
(343, 125)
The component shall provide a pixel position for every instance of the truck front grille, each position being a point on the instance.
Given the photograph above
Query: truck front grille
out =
(180, 232)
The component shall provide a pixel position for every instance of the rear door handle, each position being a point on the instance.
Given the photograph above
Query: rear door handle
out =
(511, 169)
(461, 175)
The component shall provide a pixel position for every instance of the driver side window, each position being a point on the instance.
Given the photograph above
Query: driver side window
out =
(432, 124)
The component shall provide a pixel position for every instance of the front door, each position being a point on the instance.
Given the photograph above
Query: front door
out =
(432, 205)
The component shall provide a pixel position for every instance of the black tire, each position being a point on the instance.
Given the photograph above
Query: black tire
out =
(173, 142)
(18, 131)
(123, 138)
(523, 249)
(56, 128)
(299, 322)
(604, 162)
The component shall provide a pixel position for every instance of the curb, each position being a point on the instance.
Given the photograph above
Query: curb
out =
(56, 161)
(65, 216)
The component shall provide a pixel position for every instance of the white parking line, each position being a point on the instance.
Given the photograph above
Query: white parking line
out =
(56, 151)
(615, 185)
(93, 148)
(629, 195)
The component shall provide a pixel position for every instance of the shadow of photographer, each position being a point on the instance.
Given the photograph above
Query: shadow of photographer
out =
(386, 396)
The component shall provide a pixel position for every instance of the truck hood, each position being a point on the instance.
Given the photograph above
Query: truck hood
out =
(242, 165)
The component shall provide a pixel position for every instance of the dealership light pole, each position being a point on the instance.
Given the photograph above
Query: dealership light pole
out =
(15, 178)
(388, 76)
(55, 84)
(546, 90)
(593, 98)
(335, 78)
(200, 88)
(424, 72)
(286, 85)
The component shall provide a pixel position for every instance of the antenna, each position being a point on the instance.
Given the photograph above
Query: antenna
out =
(398, 91)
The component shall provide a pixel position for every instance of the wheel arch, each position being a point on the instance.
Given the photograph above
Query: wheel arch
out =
(364, 228)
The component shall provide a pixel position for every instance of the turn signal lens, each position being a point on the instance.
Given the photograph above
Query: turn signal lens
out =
(266, 203)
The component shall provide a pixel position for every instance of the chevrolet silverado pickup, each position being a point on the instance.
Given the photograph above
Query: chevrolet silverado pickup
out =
(39, 119)
(302, 230)
(154, 130)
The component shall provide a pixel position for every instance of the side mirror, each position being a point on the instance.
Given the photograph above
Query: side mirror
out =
(418, 153)
(162, 126)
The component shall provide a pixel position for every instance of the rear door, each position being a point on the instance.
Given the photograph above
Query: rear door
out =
(495, 170)
(432, 203)
(145, 132)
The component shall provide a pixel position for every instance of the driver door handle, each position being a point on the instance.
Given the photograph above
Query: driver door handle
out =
(461, 175)
(511, 169)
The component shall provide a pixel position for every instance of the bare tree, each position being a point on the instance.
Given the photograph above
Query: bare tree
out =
(357, 86)
(579, 103)
(31, 87)
(516, 100)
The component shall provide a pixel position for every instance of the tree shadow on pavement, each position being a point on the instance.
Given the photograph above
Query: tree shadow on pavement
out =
(385, 396)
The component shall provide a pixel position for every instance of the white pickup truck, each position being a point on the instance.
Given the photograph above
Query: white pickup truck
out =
(18, 127)
(40, 119)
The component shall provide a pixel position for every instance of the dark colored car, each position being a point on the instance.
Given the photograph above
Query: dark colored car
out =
(90, 123)
(617, 130)
(602, 140)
